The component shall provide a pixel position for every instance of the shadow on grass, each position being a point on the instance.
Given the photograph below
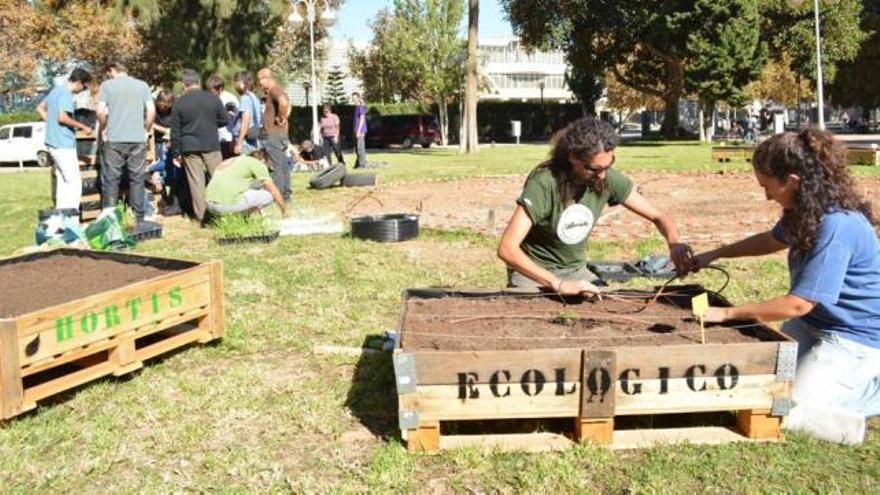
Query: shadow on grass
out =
(372, 397)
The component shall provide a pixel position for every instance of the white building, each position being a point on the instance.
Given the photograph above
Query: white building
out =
(510, 72)
(515, 74)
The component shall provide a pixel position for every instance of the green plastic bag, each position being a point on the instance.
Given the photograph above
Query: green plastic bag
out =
(107, 233)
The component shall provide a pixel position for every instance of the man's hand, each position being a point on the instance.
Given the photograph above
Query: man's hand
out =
(681, 255)
(237, 148)
(576, 287)
(85, 130)
(716, 315)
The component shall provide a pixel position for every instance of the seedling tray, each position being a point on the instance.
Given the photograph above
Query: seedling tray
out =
(256, 238)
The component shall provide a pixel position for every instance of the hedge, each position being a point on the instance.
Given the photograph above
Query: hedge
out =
(17, 117)
(539, 122)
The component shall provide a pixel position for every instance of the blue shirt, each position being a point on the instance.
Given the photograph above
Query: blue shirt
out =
(360, 110)
(841, 274)
(126, 99)
(58, 135)
(251, 104)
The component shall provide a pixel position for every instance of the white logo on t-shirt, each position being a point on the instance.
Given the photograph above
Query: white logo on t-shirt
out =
(575, 224)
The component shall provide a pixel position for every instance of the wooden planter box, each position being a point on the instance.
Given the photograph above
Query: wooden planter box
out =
(590, 385)
(856, 155)
(52, 349)
(725, 153)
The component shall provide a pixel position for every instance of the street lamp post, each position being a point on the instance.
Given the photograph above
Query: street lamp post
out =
(820, 95)
(327, 18)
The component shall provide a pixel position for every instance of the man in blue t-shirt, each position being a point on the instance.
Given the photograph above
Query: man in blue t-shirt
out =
(57, 110)
(360, 130)
(247, 126)
(126, 112)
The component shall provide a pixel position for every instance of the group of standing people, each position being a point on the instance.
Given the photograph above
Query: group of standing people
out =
(194, 132)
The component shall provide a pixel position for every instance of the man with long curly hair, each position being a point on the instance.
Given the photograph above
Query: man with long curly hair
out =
(544, 245)
(833, 306)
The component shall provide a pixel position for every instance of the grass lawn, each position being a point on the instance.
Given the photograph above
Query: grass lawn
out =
(261, 412)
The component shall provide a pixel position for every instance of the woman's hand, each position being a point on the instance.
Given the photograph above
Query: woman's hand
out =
(699, 261)
(578, 287)
(716, 315)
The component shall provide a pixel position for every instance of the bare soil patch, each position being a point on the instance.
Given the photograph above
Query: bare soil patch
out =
(521, 322)
(708, 207)
(40, 282)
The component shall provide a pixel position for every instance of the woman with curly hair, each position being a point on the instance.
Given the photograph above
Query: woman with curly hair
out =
(833, 306)
(544, 245)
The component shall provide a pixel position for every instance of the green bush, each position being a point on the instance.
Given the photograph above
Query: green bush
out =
(16, 117)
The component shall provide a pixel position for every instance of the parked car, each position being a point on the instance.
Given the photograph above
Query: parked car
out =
(405, 130)
(24, 142)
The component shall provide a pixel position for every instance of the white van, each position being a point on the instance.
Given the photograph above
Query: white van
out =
(24, 143)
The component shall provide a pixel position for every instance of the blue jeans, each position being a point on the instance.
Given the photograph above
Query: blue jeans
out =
(835, 371)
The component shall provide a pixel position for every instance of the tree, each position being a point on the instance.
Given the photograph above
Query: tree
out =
(470, 138)
(648, 46)
(725, 54)
(627, 100)
(418, 49)
(19, 46)
(856, 82)
(779, 83)
(383, 75)
(335, 90)
(791, 30)
(290, 52)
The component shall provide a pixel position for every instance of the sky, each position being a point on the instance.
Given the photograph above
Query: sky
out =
(354, 18)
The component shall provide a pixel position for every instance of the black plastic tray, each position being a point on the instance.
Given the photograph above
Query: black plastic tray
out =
(264, 238)
(145, 230)
(621, 271)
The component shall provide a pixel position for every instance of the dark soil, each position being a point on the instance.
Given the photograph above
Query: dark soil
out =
(40, 283)
(517, 322)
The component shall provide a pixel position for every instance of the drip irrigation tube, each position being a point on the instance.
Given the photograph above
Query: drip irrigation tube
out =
(393, 227)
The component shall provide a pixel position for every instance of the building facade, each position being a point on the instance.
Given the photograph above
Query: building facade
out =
(515, 74)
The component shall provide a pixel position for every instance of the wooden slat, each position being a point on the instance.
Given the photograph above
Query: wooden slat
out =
(218, 317)
(39, 392)
(11, 392)
(192, 298)
(443, 368)
(599, 373)
(168, 344)
(623, 439)
(442, 402)
(703, 435)
(509, 442)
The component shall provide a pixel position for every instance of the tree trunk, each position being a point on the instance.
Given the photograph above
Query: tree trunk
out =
(444, 119)
(702, 118)
(471, 145)
(671, 96)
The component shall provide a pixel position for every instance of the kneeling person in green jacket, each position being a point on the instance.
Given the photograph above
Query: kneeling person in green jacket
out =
(242, 184)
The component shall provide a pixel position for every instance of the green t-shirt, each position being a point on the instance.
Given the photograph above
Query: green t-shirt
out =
(228, 183)
(558, 237)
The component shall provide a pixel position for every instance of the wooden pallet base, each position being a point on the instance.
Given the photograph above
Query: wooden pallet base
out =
(623, 440)
(117, 356)
(751, 426)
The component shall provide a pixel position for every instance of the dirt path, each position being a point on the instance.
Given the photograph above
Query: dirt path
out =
(708, 207)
